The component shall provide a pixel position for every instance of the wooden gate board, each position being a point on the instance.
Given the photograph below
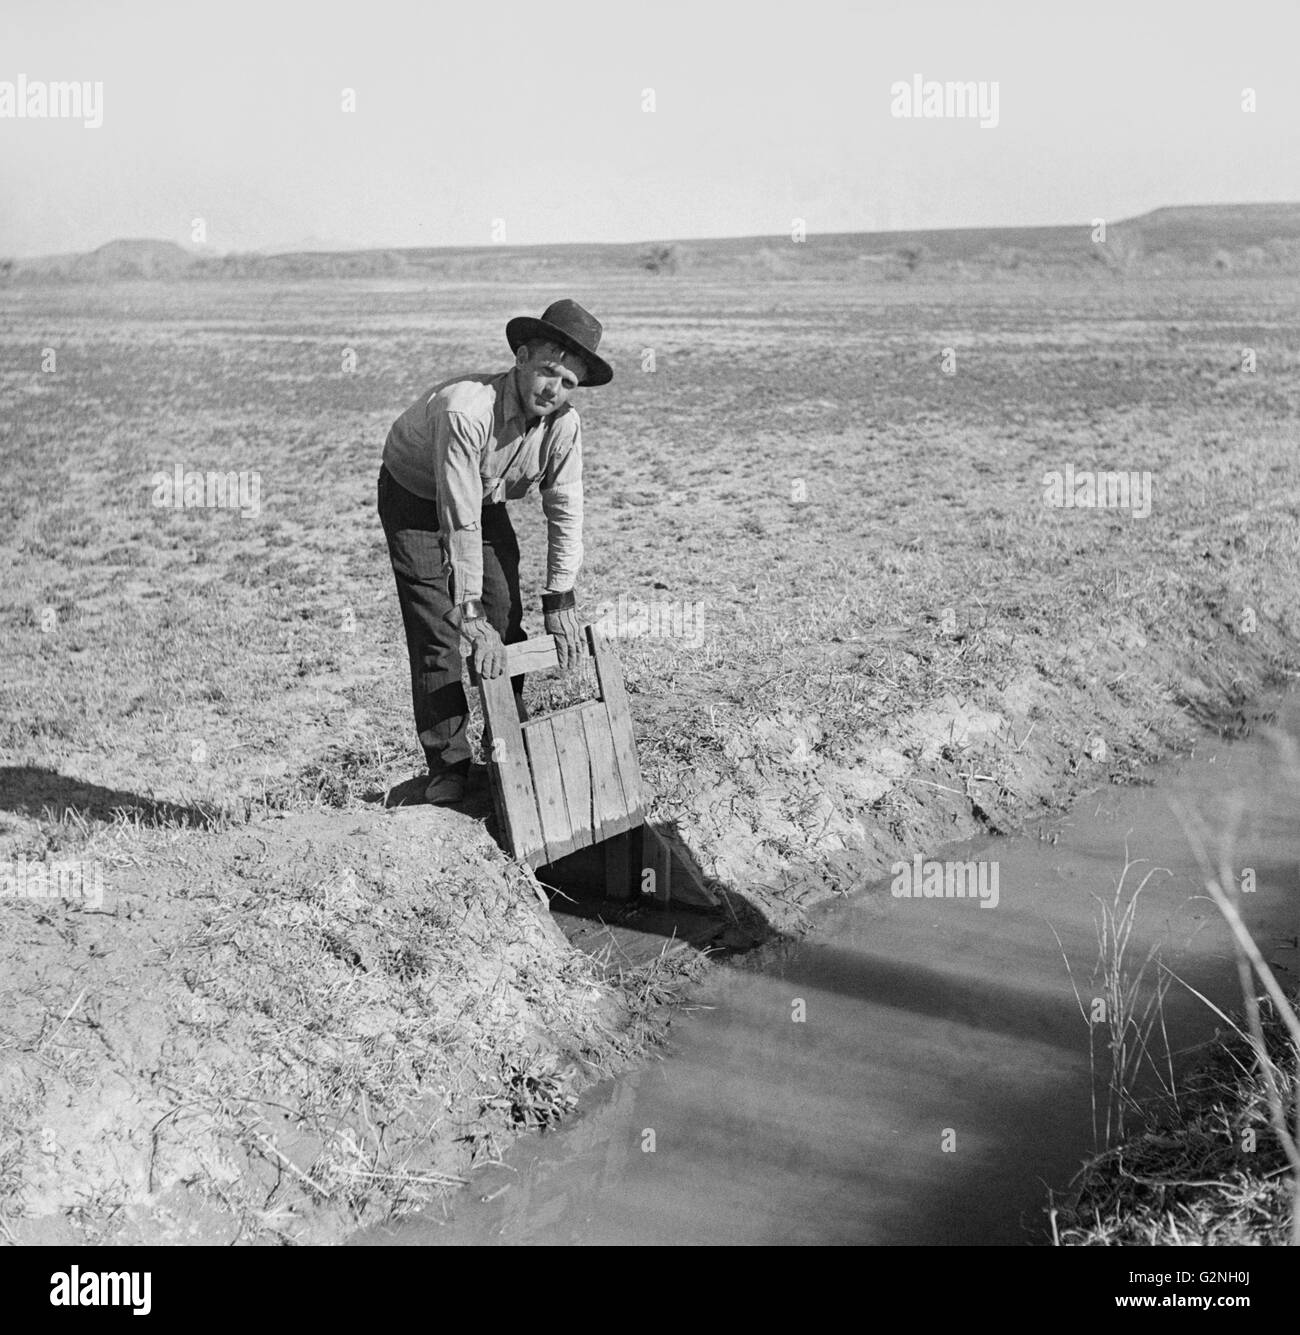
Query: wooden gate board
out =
(571, 779)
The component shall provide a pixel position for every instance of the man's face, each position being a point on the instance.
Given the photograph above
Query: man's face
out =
(546, 375)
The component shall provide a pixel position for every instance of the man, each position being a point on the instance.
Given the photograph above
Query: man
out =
(451, 462)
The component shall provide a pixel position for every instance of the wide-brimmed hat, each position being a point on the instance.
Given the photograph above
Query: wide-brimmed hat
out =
(566, 323)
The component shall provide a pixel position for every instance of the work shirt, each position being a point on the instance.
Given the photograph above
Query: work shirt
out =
(466, 444)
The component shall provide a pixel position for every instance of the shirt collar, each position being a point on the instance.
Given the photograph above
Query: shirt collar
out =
(508, 398)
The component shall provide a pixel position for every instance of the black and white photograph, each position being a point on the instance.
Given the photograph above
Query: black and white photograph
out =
(649, 625)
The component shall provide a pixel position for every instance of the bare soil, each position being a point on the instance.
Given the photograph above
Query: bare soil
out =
(297, 1010)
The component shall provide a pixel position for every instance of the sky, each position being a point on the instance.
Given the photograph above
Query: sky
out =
(527, 122)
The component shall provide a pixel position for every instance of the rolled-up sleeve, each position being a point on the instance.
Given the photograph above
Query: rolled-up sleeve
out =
(562, 505)
(458, 442)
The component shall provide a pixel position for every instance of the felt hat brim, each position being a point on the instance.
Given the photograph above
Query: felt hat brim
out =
(525, 328)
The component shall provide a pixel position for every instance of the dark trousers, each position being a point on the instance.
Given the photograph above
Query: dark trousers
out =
(423, 573)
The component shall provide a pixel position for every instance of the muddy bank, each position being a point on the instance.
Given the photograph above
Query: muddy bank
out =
(269, 1033)
(931, 1070)
(789, 814)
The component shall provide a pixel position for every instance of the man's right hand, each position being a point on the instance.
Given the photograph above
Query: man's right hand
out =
(486, 649)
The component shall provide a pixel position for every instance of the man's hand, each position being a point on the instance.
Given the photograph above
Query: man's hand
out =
(487, 651)
(564, 625)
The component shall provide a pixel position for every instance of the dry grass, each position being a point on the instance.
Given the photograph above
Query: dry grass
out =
(1126, 1005)
(1209, 1171)
(1218, 1160)
(911, 649)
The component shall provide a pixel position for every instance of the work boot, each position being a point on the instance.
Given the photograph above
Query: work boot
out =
(447, 788)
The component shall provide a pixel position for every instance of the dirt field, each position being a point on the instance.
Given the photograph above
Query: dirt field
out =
(295, 1010)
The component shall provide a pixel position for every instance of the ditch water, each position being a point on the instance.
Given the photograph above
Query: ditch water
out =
(925, 1022)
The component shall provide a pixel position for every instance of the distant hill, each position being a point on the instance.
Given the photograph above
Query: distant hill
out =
(133, 259)
(1198, 233)
(1185, 239)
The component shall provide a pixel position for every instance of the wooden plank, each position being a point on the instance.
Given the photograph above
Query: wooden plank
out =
(619, 824)
(618, 867)
(548, 788)
(499, 806)
(656, 858)
(508, 762)
(609, 678)
(609, 813)
(575, 772)
(535, 655)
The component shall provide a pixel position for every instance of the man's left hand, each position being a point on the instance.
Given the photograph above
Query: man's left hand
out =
(566, 628)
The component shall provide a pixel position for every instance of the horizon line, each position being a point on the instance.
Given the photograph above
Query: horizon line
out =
(364, 247)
